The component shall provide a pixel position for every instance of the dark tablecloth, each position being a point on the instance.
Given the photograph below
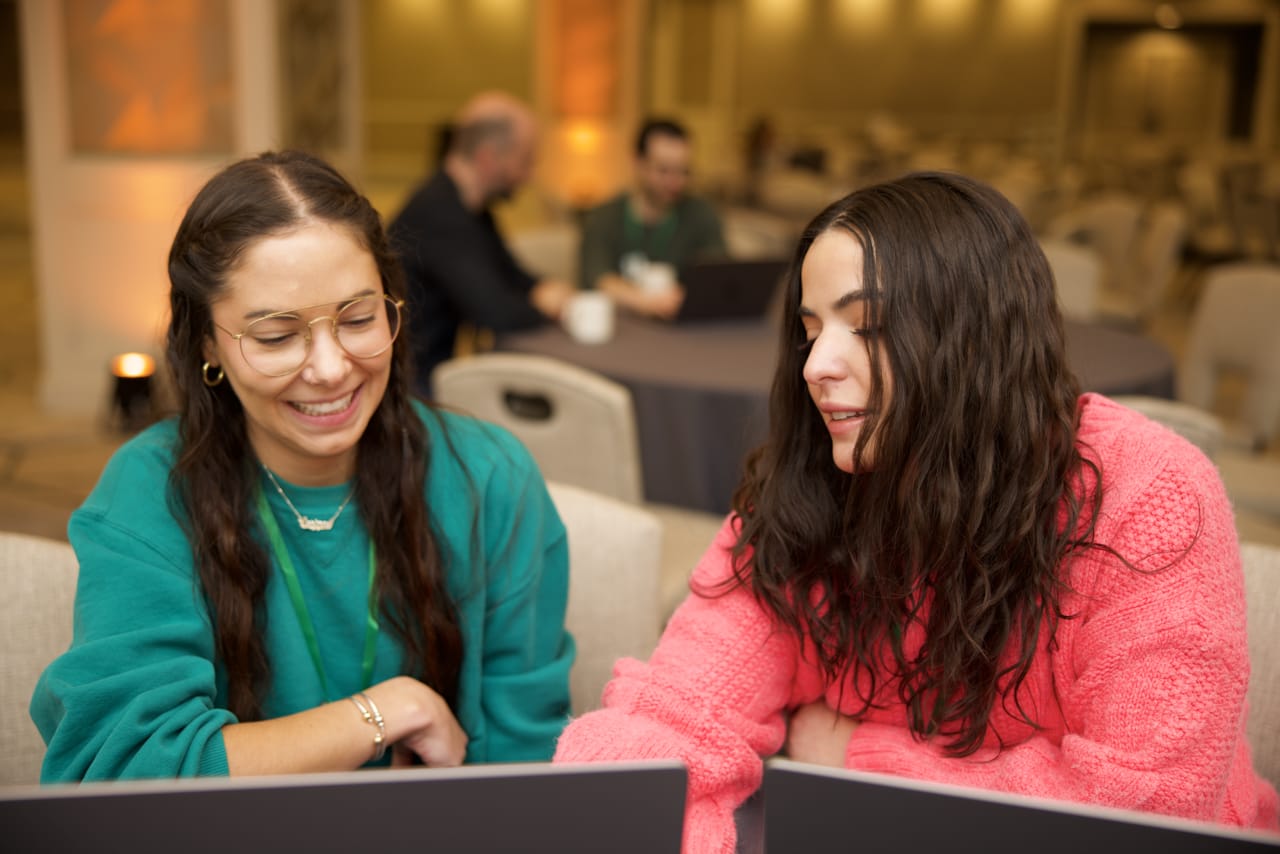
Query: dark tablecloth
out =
(701, 392)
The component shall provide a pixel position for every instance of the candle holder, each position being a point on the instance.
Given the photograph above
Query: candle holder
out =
(131, 399)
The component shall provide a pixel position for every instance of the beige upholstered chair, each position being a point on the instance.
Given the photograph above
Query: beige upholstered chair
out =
(1262, 593)
(1234, 329)
(1077, 273)
(614, 550)
(581, 428)
(35, 627)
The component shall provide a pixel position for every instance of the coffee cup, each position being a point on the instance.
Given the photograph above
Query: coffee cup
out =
(656, 277)
(588, 317)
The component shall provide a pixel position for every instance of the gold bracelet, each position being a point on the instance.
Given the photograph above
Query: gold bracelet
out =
(372, 716)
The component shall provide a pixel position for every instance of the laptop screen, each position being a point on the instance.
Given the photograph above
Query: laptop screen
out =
(632, 807)
(810, 808)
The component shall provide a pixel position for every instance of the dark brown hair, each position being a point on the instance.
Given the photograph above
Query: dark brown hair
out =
(977, 492)
(216, 477)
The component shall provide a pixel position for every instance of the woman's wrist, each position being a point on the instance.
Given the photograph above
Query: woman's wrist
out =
(373, 716)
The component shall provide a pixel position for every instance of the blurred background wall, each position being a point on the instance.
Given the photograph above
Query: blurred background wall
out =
(1066, 97)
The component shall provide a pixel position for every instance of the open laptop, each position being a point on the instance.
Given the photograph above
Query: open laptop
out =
(630, 807)
(729, 289)
(811, 808)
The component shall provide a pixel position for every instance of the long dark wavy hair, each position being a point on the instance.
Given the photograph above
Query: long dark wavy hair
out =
(217, 475)
(975, 494)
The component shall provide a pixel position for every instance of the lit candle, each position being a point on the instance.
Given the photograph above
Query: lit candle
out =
(131, 401)
(133, 365)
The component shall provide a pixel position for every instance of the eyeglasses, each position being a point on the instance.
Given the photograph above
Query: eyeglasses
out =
(278, 344)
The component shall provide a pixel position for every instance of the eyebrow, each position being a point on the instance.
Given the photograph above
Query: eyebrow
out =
(843, 302)
(266, 312)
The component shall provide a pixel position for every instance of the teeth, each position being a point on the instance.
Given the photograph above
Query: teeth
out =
(844, 416)
(323, 408)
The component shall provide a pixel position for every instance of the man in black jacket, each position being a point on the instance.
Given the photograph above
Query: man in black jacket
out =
(457, 266)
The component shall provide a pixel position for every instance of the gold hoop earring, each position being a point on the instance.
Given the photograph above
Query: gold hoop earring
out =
(211, 381)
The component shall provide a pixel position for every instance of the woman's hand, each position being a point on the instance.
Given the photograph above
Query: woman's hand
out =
(818, 734)
(418, 723)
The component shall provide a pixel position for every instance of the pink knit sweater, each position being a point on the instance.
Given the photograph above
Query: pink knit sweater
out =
(1150, 676)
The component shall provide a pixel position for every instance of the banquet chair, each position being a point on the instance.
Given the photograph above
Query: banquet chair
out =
(1022, 182)
(1152, 267)
(35, 627)
(614, 552)
(579, 426)
(1262, 597)
(1077, 273)
(1210, 232)
(751, 234)
(1200, 428)
(798, 194)
(1109, 225)
(581, 429)
(1233, 330)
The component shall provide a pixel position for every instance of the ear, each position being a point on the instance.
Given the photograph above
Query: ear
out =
(486, 156)
(209, 350)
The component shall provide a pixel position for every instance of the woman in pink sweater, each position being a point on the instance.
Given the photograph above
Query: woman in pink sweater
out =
(946, 563)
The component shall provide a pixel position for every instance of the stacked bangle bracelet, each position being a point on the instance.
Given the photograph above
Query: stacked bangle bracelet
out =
(369, 711)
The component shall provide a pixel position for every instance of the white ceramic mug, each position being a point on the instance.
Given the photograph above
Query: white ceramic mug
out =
(588, 317)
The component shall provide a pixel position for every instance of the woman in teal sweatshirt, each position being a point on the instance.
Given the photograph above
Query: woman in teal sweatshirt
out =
(305, 570)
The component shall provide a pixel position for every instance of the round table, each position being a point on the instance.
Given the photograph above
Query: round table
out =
(701, 392)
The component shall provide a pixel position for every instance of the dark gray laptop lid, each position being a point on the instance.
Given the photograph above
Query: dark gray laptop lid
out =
(631, 807)
(809, 808)
(729, 289)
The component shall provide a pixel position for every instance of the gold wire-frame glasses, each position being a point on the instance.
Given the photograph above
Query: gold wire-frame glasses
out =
(278, 344)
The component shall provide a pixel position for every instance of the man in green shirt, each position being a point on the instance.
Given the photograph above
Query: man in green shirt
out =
(635, 246)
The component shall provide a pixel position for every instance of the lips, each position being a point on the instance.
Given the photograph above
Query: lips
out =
(323, 408)
(843, 420)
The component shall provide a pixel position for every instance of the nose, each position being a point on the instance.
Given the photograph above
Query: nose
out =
(826, 362)
(327, 363)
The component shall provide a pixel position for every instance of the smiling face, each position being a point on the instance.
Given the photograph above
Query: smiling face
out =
(305, 425)
(838, 372)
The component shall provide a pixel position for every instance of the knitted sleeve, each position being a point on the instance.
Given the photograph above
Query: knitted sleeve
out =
(711, 696)
(1151, 672)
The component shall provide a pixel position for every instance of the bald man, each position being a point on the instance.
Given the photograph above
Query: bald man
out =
(457, 266)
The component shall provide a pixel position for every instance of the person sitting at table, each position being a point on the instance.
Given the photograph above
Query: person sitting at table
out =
(306, 569)
(458, 267)
(634, 245)
(945, 563)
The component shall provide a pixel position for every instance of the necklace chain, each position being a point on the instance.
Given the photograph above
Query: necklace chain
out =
(307, 523)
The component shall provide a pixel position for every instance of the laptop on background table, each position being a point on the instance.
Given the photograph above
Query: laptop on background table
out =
(626, 807)
(729, 289)
(810, 808)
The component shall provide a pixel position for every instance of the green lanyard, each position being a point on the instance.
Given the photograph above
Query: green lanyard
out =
(658, 243)
(300, 605)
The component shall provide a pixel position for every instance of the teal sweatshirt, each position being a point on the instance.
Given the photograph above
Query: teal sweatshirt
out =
(140, 694)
